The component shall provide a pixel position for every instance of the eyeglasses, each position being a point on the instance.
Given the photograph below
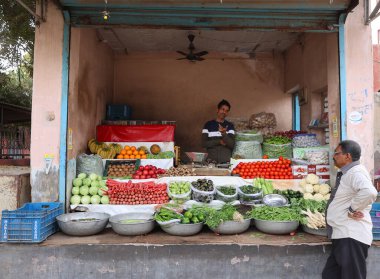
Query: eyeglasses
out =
(337, 153)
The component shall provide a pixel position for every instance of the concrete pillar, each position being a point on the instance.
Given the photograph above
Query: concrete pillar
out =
(46, 105)
(360, 94)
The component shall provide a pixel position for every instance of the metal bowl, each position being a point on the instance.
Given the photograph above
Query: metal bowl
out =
(275, 200)
(144, 227)
(276, 227)
(76, 223)
(232, 227)
(321, 232)
(182, 229)
(197, 157)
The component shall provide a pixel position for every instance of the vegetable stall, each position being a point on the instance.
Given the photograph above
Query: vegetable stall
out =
(277, 181)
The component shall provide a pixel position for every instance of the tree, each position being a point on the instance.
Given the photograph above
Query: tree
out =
(16, 52)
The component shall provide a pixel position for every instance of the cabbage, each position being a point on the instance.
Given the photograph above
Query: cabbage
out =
(95, 184)
(93, 176)
(102, 183)
(101, 191)
(75, 191)
(83, 190)
(86, 181)
(75, 199)
(95, 199)
(100, 178)
(93, 190)
(77, 182)
(85, 199)
(82, 175)
(105, 200)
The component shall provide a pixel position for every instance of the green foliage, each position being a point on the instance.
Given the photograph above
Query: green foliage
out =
(16, 52)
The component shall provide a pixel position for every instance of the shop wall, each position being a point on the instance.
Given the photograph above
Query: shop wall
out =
(46, 106)
(90, 88)
(376, 86)
(360, 91)
(306, 66)
(157, 86)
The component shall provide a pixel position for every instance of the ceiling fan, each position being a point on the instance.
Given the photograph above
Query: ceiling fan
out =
(191, 55)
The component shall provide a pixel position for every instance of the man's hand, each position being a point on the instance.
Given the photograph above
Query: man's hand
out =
(222, 142)
(222, 130)
(357, 215)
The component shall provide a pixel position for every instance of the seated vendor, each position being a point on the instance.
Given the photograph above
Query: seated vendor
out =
(218, 136)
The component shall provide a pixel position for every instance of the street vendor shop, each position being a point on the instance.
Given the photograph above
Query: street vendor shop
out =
(136, 83)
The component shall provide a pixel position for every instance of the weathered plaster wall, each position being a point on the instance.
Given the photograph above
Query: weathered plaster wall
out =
(46, 104)
(306, 66)
(90, 87)
(376, 85)
(360, 94)
(157, 86)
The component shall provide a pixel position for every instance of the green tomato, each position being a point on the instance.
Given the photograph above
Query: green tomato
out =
(194, 220)
(188, 214)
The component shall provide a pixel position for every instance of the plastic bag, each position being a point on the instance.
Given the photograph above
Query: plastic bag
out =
(247, 150)
(89, 164)
(252, 135)
(262, 119)
(317, 157)
(240, 123)
(224, 197)
(273, 151)
(202, 196)
(179, 198)
(305, 140)
(249, 198)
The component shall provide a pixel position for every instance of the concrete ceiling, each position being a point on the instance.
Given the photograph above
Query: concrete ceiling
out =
(170, 40)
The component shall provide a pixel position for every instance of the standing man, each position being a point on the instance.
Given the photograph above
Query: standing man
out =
(218, 136)
(349, 224)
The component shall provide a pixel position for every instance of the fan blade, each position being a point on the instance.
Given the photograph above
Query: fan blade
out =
(181, 52)
(199, 58)
(201, 53)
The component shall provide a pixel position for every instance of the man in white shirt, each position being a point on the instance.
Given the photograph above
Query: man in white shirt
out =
(349, 224)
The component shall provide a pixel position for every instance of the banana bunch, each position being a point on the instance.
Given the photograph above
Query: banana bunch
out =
(106, 152)
(94, 145)
(117, 147)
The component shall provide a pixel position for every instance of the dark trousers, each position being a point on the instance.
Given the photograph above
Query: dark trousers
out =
(347, 260)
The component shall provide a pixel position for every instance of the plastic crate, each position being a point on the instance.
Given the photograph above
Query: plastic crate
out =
(118, 112)
(375, 216)
(375, 210)
(32, 223)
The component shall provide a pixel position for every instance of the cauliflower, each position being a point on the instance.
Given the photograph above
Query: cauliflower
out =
(316, 188)
(326, 197)
(312, 179)
(309, 188)
(308, 196)
(324, 189)
(318, 197)
(303, 183)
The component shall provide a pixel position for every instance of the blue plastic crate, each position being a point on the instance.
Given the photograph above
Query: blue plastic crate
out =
(375, 210)
(32, 223)
(376, 236)
(118, 112)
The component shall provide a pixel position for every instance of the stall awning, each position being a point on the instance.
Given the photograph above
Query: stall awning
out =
(290, 15)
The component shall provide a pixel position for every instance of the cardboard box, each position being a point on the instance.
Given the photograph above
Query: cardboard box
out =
(301, 171)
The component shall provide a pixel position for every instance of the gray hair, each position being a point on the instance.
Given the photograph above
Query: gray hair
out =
(351, 147)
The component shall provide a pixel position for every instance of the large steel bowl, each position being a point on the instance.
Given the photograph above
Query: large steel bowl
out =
(232, 227)
(276, 227)
(321, 232)
(182, 229)
(275, 200)
(144, 227)
(76, 223)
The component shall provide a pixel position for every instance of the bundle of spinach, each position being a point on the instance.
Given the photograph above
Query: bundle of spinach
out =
(269, 213)
(228, 212)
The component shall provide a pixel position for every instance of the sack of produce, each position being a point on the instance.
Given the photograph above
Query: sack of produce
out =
(262, 120)
(179, 191)
(273, 151)
(249, 135)
(249, 194)
(226, 193)
(317, 157)
(90, 164)
(240, 124)
(247, 150)
(203, 190)
(305, 140)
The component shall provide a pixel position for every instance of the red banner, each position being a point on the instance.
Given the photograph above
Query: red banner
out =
(135, 133)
